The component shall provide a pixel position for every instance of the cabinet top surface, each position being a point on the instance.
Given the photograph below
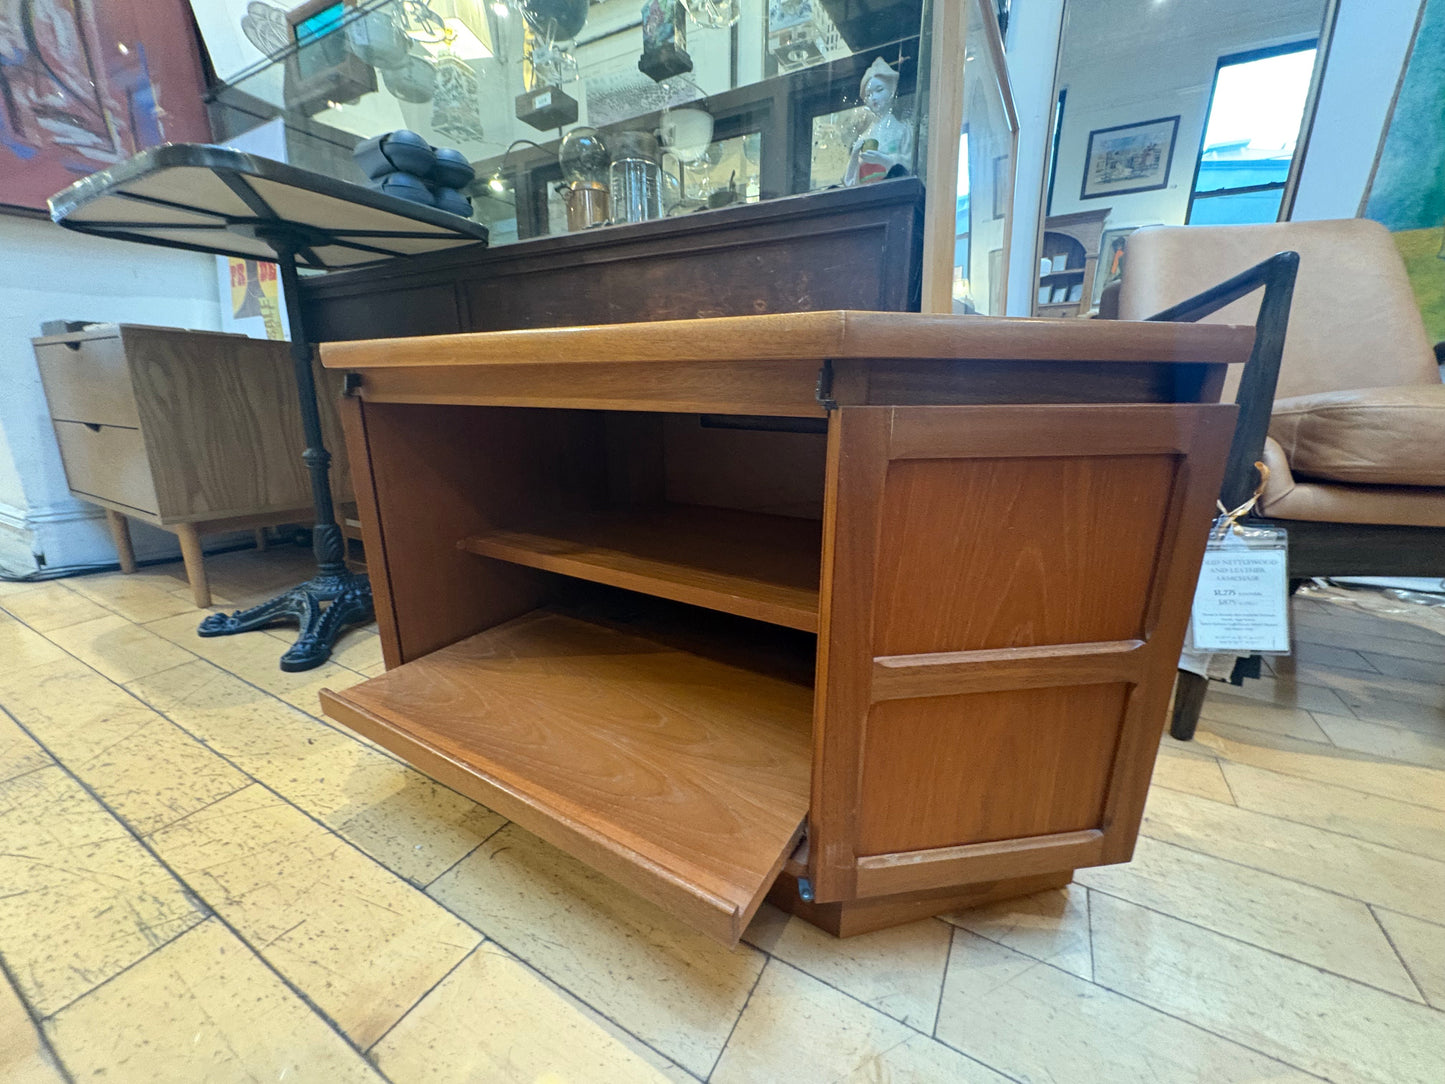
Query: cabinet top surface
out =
(810, 336)
(115, 331)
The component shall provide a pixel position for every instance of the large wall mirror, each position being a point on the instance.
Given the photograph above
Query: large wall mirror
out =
(1170, 113)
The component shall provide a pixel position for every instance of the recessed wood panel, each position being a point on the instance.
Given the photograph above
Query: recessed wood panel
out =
(995, 553)
(951, 770)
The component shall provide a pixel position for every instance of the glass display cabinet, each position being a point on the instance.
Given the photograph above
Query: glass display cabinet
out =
(578, 115)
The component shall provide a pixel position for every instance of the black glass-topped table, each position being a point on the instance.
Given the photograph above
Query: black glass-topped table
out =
(224, 202)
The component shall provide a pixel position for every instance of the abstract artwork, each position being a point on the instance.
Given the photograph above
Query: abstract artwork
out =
(1407, 190)
(85, 84)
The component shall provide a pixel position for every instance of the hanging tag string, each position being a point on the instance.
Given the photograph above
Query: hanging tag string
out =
(1229, 520)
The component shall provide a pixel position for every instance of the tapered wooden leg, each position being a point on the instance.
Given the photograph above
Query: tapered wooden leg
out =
(260, 533)
(120, 535)
(1189, 690)
(195, 568)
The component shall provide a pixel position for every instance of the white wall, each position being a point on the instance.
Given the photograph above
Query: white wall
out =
(1366, 54)
(1370, 41)
(47, 273)
(1032, 48)
(1124, 61)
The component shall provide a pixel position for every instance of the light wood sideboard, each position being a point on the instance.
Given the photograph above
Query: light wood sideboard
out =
(194, 432)
(875, 612)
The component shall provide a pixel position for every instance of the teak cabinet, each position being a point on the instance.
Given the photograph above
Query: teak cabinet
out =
(194, 432)
(877, 612)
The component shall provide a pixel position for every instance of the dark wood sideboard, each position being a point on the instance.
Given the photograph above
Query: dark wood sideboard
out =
(845, 248)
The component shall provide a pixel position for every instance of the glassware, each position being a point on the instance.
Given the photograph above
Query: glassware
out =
(635, 177)
(713, 14)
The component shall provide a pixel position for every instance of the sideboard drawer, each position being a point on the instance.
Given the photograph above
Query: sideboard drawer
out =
(88, 381)
(108, 462)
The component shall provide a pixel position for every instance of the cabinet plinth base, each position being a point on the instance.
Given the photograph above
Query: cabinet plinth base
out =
(853, 917)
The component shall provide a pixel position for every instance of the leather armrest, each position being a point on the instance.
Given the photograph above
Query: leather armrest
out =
(1109, 301)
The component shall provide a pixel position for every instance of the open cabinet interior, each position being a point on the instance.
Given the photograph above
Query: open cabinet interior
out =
(611, 636)
(681, 596)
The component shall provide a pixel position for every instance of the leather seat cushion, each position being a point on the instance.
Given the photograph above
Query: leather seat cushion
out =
(1380, 436)
(1286, 497)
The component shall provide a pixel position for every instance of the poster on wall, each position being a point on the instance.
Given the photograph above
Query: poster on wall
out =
(1407, 189)
(256, 307)
(85, 84)
(1129, 158)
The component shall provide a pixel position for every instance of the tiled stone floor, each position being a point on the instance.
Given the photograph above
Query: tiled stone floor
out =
(201, 880)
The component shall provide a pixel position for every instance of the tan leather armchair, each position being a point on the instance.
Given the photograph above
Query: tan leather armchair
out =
(1356, 444)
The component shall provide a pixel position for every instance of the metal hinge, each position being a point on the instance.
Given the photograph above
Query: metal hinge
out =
(350, 383)
(824, 391)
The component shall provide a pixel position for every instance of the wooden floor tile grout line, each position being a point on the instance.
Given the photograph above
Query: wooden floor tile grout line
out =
(1089, 929)
(196, 894)
(768, 960)
(37, 1022)
(367, 1053)
(1375, 721)
(1329, 783)
(947, 959)
(1296, 880)
(254, 781)
(489, 939)
(1036, 962)
(480, 844)
(1303, 824)
(1424, 1000)
(1262, 948)
(1286, 774)
(1323, 742)
(27, 771)
(327, 723)
(325, 827)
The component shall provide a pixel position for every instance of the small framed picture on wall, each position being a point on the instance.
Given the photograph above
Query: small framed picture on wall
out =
(1129, 158)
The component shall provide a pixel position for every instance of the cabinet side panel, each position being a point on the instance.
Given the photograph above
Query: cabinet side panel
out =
(441, 474)
(1003, 608)
(222, 423)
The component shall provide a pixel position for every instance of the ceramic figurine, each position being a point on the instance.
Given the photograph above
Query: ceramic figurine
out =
(887, 141)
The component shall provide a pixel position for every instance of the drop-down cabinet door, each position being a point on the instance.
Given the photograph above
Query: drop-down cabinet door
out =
(1005, 591)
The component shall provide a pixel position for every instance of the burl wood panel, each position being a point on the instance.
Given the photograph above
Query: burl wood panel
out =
(847, 248)
(1052, 746)
(1019, 552)
(681, 777)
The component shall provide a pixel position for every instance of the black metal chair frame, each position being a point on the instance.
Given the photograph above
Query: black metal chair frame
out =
(1255, 399)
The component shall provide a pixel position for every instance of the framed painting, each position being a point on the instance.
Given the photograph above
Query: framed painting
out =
(1129, 158)
(85, 84)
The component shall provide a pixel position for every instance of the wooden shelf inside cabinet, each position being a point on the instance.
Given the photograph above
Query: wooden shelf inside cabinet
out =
(682, 777)
(746, 563)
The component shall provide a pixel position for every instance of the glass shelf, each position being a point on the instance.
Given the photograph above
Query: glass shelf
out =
(771, 105)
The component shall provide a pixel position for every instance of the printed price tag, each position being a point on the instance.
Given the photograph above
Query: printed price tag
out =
(1241, 605)
(542, 101)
